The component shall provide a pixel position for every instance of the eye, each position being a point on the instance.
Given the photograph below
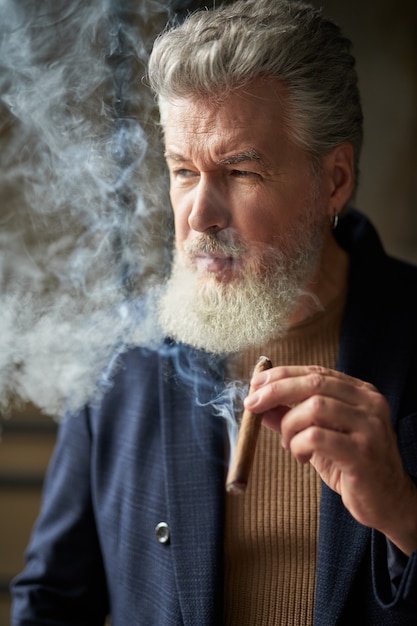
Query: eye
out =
(183, 173)
(244, 174)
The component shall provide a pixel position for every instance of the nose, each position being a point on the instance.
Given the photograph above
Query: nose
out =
(209, 211)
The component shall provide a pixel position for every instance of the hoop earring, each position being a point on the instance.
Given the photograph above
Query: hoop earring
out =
(334, 220)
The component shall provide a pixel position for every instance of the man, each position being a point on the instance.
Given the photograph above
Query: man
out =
(262, 123)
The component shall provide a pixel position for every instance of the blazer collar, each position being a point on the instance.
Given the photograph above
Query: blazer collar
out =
(379, 327)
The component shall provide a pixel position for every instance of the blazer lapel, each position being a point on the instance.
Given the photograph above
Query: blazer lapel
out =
(194, 456)
(375, 348)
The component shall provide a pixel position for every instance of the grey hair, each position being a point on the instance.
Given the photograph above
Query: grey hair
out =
(216, 51)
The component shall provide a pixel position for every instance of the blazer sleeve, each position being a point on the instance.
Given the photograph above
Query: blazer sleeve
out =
(63, 582)
(394, 578)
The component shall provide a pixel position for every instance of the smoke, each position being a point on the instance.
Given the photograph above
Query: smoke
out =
(204, 375)
(84, 211)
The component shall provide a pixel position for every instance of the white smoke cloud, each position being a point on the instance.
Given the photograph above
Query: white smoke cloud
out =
(84, 210)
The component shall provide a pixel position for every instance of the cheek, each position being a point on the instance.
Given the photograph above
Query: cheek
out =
(262, 215)
(261, 227)
(181, 213)
(181, 230)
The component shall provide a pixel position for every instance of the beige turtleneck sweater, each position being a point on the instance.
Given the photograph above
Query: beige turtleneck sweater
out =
(271, 531)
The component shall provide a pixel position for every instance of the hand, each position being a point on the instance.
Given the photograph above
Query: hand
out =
(342, 425)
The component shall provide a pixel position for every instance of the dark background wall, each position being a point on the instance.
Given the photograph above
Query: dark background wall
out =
(384, 36)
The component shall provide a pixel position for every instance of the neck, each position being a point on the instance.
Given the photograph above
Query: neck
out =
(328, 281)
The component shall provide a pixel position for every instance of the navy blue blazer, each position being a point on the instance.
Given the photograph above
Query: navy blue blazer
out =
(152, 451)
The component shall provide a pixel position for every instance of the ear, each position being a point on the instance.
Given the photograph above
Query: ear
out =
(339, 169)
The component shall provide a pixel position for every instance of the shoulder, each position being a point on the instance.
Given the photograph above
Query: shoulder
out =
(130, 380)
(371, 266)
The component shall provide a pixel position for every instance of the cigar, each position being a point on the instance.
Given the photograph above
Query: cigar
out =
(238, 475)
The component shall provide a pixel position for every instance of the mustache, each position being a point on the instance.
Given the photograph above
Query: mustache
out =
(230, 246)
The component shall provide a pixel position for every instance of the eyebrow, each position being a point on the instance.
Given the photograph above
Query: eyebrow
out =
(242, 157)
(234, 159)
(174, 156)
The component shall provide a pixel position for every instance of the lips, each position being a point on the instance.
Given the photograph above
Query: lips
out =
(206, 263)
(214, 256)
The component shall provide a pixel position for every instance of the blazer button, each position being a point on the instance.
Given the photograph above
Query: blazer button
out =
(162, 533)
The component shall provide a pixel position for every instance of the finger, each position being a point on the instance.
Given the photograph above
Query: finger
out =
(367, 478)
(322, 412)
(272, 419)
(336, 447)
(290, 390)
(326, 421)
(292, 371)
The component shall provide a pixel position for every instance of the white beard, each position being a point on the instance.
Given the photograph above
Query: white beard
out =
(249, 309)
